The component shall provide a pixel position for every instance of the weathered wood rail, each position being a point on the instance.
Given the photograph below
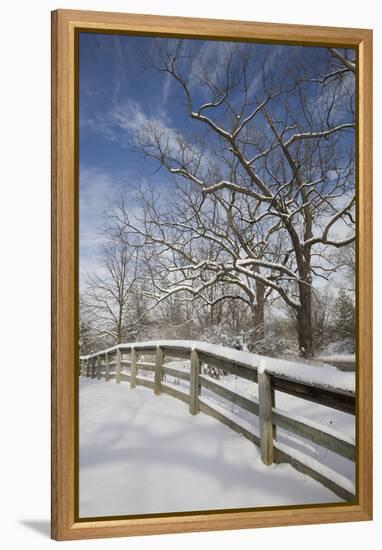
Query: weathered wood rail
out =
(343, 362)
(112, 364)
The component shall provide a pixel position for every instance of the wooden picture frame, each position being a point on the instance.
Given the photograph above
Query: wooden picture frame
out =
(66, 525)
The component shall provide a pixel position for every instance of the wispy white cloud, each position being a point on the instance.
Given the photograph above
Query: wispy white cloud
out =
(128, 124)
(272, 58)
(143, 125)
(209, 61)
(98, 189)
(125, 120)
(167, 85)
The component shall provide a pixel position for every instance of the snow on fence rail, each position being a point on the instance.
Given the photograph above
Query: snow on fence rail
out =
(322, 385)
(342, 362)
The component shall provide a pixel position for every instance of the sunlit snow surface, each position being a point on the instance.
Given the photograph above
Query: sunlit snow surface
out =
(143, 454)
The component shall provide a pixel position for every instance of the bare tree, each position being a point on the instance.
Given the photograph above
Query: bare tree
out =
(345, 259)
(108, 309)
(190, 252)
(263, 180)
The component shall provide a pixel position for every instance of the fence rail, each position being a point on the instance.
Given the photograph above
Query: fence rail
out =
(109, 364)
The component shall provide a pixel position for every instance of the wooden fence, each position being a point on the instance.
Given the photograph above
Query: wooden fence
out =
(112, 363)
(342, 362)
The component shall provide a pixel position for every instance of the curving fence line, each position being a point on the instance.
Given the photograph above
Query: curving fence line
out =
(113, 362)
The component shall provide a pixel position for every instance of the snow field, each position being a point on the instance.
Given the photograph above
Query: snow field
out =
(142, 454)
(341, 423)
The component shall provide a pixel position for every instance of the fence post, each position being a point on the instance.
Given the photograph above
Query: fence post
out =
(133, 369)
(99, 367)
(118, 367)
(265, 416)
(158, 370)
(194, 382)
(93, 367)
(87, 367)
(107, 367)
(274, 427)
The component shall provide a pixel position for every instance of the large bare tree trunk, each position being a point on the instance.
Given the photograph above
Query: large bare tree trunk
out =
(304, 322)
(258, 314)
(258, 318)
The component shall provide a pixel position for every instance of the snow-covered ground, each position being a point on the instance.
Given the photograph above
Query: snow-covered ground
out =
(141, 453)
(341, 423)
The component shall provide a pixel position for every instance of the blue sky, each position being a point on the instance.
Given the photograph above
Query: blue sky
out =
(116, 95)
(112, 86)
